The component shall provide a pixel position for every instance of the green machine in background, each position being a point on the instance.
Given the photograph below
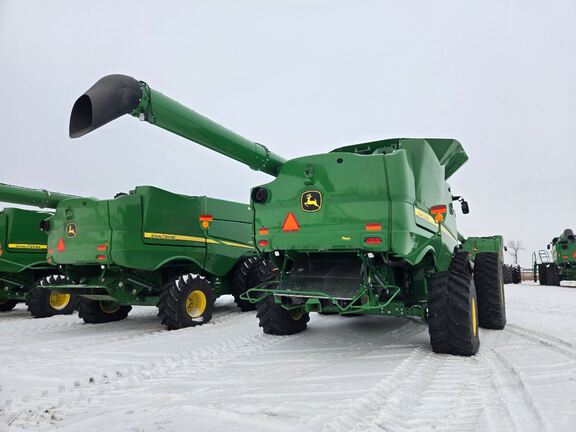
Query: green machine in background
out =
(365, 229)
(495, 245)
(551, 270)
(151, 247)
(23, 265)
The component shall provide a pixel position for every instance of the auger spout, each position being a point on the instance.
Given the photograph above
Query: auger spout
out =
(115, 95)
(32, 197)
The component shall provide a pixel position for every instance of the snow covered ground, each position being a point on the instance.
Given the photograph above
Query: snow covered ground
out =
(342, 374)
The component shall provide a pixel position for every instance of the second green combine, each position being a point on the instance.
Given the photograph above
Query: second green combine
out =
(560, 265)
(24, 269)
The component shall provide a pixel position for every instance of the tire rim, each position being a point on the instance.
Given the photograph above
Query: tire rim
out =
(110, 307)
(474, 318)
(196, 304)
(58, 301)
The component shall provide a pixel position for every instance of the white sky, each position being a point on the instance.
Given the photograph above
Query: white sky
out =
(303, 77)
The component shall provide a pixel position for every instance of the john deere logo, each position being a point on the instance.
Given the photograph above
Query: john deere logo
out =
(71, 230)
(311, 201)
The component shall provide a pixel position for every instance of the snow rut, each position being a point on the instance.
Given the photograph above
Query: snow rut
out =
(84, 392)
(426, 391)
(549, 341)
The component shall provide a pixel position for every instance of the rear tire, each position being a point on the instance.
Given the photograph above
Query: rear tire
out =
(44, 303)
(452, 309)
(101, 311)
(274, 319)
(489, 283)
(553, 275)
(186, 302)
(542, 274)
(7, 305)
(516, 275)
(241, 281)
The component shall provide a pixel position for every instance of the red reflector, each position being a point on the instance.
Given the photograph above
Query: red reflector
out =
(60, 247)
(206, 218)
(574, 255)
(263, 243)
(373, 240)
(438, 209)
(49, 250)
(101, 257)
(373, 227)
(263, 231)
(290, 223)
(564, 256)
(102, 247)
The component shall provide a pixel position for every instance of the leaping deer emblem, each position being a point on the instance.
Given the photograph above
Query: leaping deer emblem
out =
(311, 201)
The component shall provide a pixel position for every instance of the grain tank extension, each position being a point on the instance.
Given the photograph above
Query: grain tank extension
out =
(368, 228)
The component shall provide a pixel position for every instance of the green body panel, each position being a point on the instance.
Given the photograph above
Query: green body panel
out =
(390, 188)
(33, 197)
(564, 255)
(474, 245)
(22, 252)
(124, 249)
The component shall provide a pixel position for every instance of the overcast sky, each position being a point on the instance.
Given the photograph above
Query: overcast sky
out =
(303, 77)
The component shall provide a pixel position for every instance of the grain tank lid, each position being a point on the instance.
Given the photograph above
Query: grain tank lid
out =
(448, 151)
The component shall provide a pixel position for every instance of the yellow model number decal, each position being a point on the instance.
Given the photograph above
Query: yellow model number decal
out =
(178, 237)
(26, 246)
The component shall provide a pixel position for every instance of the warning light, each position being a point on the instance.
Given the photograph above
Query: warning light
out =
(290, 223)
(60, 247)
(101, 257)
(102, 247)
(263, 231)
(373, 227)
(49, 250)
(373, 240)
(205, 221)
(438, 211)
(263, 243)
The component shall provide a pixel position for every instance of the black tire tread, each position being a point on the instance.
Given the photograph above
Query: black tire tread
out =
(91, 313)
(37, 298)
(241, 281)
(488, 279)
(171, 305)
(450, 309)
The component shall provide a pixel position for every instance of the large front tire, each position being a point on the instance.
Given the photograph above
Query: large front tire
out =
(186, 302)
(452, 310)
(488, 279)
(102, 311)
(42, 302)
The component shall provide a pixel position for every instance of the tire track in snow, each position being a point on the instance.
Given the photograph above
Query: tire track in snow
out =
(426, 392)
(557, 344)
(83, 392)
(511, 390)
(106, 334)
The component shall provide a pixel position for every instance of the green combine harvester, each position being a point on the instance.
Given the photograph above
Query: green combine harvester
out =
(151, 247)
(365, 229)
(23, 265)
(551, 270)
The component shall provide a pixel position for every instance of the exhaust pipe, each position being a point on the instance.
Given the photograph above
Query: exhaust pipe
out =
(111, 97)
